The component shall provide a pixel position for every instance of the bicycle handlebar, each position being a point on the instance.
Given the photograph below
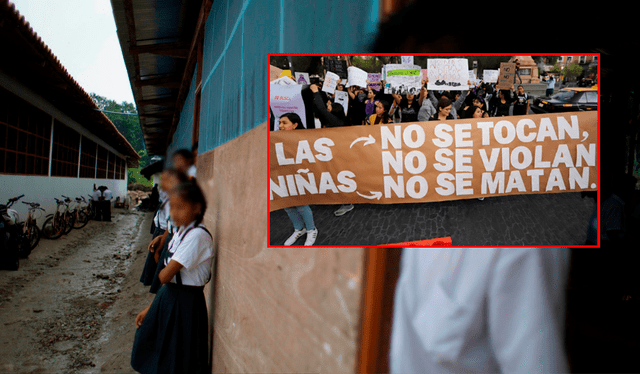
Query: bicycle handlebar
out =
(13, 200)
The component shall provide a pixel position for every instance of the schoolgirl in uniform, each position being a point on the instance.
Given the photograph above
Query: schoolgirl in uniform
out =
(172, 335)
(169, 180)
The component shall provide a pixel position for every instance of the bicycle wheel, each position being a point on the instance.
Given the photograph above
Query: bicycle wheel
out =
(53, 227)
(33, 235)
(81, 221)
(69, 220)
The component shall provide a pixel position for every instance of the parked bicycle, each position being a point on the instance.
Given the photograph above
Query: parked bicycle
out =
(10, 235)
(88, 208)
(55, 224)
(81, 218)
(69, 215)
(30, 230)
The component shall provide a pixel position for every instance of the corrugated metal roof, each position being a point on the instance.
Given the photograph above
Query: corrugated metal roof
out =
(31, 62)
(155, 37)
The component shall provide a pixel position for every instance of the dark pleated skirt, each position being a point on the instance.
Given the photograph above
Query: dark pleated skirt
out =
(149, 270)
(173, 336)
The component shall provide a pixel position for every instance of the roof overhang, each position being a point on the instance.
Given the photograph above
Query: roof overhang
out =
(158, 42)
(30, 61)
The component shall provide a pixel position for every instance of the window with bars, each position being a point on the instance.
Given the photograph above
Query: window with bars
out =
(101, 170)
(119, 168)
(66, 146)
(25, 136)
(88, 158)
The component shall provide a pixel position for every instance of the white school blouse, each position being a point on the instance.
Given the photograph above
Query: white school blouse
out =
(193, 249)
(482, 310)
(162, 216)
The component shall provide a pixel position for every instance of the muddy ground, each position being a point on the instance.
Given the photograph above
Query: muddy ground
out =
(70, 308)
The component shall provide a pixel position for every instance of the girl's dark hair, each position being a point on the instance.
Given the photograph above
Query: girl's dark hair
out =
(191, 192)
(385, 116)
(294, 118)
(338, 111)
(444, 102)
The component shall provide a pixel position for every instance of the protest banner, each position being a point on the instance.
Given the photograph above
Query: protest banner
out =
(342, 98)
(302, 78)
(472, 77)
(490, 76)
(507, 75)
(330, 82)
(284, 98)
(374, 81)
(435, 161)
(283, 81)
(403, 79)
(448, 74)
(357, 77)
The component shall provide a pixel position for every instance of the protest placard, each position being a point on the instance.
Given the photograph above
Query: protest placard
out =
(342, 98)
(507, 75)
(407, 60)
(283, 81)
(284, 98)
(330, 82)
(403, 79)
(472, 77)
(435, 161)
(490, 76)
(357, 77)
(448, 74)
(374, 81)
(337, 66)
(303, 78)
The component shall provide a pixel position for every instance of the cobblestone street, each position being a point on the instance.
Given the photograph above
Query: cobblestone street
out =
(529, 220)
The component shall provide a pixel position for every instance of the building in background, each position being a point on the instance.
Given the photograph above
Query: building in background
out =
(53, 139)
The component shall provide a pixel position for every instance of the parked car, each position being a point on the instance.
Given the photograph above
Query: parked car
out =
(569, 99)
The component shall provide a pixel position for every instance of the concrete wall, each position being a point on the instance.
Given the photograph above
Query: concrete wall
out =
(276, 310)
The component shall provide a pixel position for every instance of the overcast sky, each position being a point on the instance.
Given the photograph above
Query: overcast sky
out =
(82, 34)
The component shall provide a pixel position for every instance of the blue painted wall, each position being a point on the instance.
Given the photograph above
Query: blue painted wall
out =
(238, 37)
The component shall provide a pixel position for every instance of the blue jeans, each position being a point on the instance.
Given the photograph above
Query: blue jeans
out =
(301, 216)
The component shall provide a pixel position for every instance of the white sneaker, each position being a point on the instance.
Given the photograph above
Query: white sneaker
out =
(311, 237)
(343, 210)
(296, 234)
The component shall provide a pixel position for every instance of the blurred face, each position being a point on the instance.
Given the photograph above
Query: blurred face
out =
(445, 111)
(477, 103)
(379, 108)
(181, 163)
(168, 182)
(520, 90)
(182, 211)
(286, 124)
(370, 94)
(410, 96)
(329, 107)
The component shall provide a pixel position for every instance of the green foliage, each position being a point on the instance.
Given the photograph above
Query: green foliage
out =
(370, 64)
(573, 71)
(125, 117)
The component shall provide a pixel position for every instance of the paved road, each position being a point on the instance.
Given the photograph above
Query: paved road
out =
(531, 220)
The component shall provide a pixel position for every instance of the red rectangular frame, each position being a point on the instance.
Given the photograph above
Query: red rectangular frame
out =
(429, 54)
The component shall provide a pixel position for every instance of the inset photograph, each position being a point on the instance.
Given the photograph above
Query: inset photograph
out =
(432, 150)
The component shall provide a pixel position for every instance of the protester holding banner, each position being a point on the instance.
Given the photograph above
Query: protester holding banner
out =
(357, 106)
(301, 216)
(427, 108)
(330, 114)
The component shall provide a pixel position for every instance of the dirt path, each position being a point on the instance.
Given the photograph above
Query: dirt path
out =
(70, 307)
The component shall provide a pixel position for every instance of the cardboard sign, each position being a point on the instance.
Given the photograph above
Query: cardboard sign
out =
(403, 79)
(507, 75)
(303, 78)
(336, 66)
(435, 161)
(448, 74)
(374, 81)
(286, 99)
(330, 82)
(357, 77)
(490, 76)
(342, 98)
(407, 60)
